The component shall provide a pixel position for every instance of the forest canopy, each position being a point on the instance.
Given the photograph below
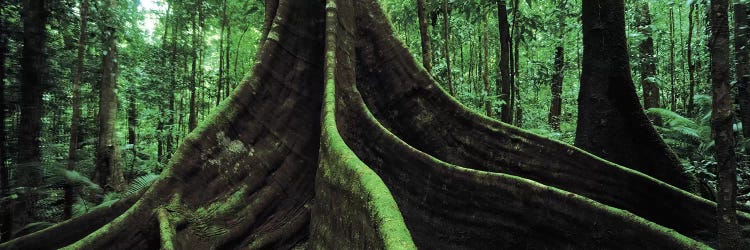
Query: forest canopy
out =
(402, 124)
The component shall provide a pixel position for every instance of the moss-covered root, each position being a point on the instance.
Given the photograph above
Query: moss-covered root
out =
(443, 206)
(166, 229)
(410, 104)
(353, 209)
(71, 230)
(245, 178)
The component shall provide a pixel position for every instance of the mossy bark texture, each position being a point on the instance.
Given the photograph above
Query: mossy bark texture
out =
(340, 140)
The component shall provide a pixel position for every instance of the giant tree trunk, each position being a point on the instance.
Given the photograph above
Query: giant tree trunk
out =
(648, 61)
(340, 141)
(33, 80)
(424, 34)
(721, 127)
(107, 172)
(742, 58)
(503, 82)
(611, 121)
(75, 119)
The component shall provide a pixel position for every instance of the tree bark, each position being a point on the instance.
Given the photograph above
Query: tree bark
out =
(33, 84)
(721, 127)
(742, 58)
(75, 119)
(503, 79)
(424, 34)
(647, 58)
(107, 172)
(611, 121)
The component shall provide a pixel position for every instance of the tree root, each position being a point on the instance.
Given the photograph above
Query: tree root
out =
(405, 99)
(298, 157)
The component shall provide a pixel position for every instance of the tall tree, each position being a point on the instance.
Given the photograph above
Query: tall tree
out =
(33, 81)
(107, 172)
(611, 121)
(502, 81)
(647, 58)
(691, 63)
(424, 34)
(672, 63)
(192, 119)
(485, 54)
(446, 48)
(75, 119)
(6, 213)
(742, 58)
(220, 82)
(132, 126)
(721, 127)
(559, 75)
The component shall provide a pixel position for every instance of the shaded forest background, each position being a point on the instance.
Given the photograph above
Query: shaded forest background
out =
(122, 82)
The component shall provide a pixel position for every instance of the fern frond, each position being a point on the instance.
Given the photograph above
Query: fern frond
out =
(671, 118)
(61, 176)
(140, 183)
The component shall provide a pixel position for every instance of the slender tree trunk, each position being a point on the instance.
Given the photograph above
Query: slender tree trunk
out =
(192, 120)
(221, 50)
(742, 57)
(446, 48)
(76, 103)
(108, 173)
(161, 140)
(424, 34)
(132, 126)
(514, 41)
(237, 54)
(558, 77)
(503, 79)
(227, 59)
(672, 74)
(648, 62)
(721, 127)
(485, 67)
(171, 131)
(6, 213)
(611, 121)
(33, 80)
(691, 64)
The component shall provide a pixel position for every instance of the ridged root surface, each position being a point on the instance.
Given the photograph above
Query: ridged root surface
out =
(339, 140)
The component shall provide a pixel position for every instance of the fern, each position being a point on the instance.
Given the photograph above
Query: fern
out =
(671, 118)
(61, 176)
(140, 183)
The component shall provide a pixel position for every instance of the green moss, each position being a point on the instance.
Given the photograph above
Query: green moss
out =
(342, 168)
